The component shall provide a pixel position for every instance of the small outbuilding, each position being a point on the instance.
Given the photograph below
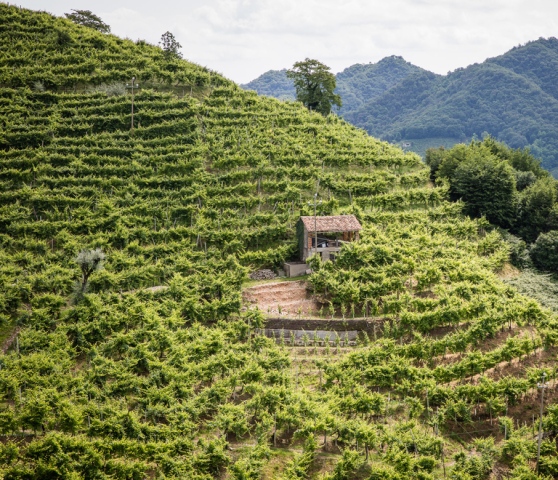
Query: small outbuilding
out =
(329, 231)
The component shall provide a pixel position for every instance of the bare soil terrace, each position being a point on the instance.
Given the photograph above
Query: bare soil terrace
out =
(288, 299)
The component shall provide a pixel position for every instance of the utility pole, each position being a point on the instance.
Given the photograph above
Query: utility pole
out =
(132, 86)
(542, 386)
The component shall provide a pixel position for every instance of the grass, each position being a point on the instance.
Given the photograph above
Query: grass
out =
(538, 285)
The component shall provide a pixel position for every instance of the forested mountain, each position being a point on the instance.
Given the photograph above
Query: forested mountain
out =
(125, 243)
(512, 97)
(536, 60)
(273, 83)
(361, 83)
(356, 84)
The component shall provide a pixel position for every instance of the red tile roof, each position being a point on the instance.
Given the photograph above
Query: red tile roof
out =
(333, 223)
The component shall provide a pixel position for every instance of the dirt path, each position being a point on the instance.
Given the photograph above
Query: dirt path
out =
(10, 340)
(282, 298)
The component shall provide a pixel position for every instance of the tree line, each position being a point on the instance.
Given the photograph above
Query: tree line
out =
(508, 187)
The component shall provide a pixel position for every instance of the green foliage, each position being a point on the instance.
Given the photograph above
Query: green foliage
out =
(512, 97)
(521, 159)
(545, 251)
(475, 466)
(487, 186)
(299, 467)
(356, 85)
(347, 466)
(542, 287)
(537, 207)
(519, 254)
(434, 158)
(314, 85)
(524, 180)
(68, 57)
(361, 83)
(485, 175)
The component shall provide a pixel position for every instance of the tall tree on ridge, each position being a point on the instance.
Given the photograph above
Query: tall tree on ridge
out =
(170, 45)
(314, 84)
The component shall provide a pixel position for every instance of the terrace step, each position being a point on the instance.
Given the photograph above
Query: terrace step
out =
(281, 297)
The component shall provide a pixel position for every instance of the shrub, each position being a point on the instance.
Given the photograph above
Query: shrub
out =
(544, 252)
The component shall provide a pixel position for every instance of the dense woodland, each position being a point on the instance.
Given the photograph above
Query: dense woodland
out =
(507, 186)
(512, 97)
(127, 351)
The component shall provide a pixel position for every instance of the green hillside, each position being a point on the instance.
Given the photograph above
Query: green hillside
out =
(158, 369)
(361, 83)
(400, 102)
(536, 60)
(43, 52)
(446, 109)
(273, 83)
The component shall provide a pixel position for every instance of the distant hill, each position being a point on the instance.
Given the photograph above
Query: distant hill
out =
(362, 83)
(356, 84)
(537, 61)
(273, 83)
(513, 97)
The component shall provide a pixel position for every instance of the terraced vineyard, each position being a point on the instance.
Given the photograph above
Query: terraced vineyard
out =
(132, 381)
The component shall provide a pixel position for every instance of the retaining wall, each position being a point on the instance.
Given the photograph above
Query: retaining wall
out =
(329, 324)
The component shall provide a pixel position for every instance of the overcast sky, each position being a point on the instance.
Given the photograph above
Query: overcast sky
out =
(244, 38)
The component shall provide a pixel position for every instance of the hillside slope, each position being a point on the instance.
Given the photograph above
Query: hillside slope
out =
(40, 51)
(129, 381)
(446, 110)
(361, 83)
(536, 60)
